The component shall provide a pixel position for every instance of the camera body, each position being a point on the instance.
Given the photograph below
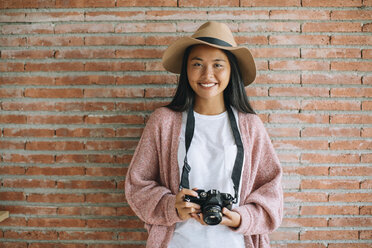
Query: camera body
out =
(211, 202)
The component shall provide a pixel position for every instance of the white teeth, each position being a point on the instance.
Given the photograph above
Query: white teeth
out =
(207, 85)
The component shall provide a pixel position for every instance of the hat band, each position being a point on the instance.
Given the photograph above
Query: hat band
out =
(214, 41)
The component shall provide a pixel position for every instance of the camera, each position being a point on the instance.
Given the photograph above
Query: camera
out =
(211, 203)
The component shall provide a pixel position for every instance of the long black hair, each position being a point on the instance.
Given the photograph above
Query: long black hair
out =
(234, 94)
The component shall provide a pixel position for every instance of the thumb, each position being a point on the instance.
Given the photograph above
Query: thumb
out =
(226, 212)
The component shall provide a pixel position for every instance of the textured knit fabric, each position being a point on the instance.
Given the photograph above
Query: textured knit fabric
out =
(153, 179)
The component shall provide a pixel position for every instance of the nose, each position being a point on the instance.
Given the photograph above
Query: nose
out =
(208, 73)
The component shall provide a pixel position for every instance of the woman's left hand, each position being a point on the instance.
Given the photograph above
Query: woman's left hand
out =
(230, 218)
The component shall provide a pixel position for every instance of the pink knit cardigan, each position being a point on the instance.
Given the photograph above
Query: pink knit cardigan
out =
(153, 179)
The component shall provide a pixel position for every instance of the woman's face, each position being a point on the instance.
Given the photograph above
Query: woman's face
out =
(208, 71)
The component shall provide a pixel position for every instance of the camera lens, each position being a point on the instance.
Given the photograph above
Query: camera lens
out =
(212, 215)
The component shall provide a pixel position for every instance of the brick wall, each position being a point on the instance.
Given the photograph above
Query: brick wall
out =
(79, 78)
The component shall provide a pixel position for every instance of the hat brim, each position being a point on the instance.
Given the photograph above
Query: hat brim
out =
(173, 56)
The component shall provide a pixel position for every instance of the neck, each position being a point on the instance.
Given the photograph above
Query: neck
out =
(209, 107)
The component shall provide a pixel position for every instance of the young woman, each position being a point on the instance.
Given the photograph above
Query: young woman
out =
(205, 173)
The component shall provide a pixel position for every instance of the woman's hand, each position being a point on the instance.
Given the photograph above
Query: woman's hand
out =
(184, 209)
(230, 218)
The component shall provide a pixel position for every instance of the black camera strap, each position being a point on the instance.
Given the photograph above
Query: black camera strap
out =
(238, 165)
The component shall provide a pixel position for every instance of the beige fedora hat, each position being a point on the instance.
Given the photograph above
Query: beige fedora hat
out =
(213, 34)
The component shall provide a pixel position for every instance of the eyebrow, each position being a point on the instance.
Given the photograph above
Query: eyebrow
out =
(197, 58)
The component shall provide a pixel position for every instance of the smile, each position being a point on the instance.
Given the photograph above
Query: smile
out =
(208, 85)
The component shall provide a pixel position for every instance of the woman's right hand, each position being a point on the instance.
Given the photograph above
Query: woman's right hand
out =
(185, 209)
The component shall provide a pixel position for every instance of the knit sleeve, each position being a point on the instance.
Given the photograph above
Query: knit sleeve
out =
(153, 203)
(262, 210)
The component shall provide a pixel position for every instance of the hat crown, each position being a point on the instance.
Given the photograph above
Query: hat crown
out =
(215, 30)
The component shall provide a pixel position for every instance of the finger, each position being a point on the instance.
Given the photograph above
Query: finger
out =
(189, 192)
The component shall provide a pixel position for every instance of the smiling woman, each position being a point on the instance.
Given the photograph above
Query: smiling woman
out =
(205, 173)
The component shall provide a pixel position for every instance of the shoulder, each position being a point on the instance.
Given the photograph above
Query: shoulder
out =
(251, 121)
(162, 116)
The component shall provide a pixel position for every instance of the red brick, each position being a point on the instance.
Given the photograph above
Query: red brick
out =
(55, 222)
(329, 235)
(28, 183)
(329, 184)
(75, 184)
(29, 106)
(159, 92)
(11, 93)
(331, 105)
(49, 119)
(331, 3)
(367, 105)
(13, 244)
(299, 91)
(14, 221)
(53, 93)
(30, 80)
(11, 145)
(330, 53)
(350, 119)
(26, 54)
(12, 41)
(275, 52)
(299, 40)
(366, 158)
(55, 145)
(31, 210)
(275, 104)
(34, 235)
(20, 4)
(28, 29)
(84, 28)
(305, 197)
(105, 171)
(331, 27)
(60, 171)
(57, 66)
(147, 79)
(337, 79)
(55, 198)
(366, 210)
(304, 222)
(351, 145)
(54, 16)
(105, 197)
(277, 78)
(11, 67)
(367, 27)
(284, 235)
(121, 119)
(55, 245)
(85, 80)
(93, 235)
(12, 17)
(350, 197)
(12, 196)
(55, 41)
(11, 170)
(114, 66)
(355, 222)
(111, 145)
(329, 210)
(351, 40)
(115, 15)
(299, 245)
(257, 91)
(366, 184)
(298, 118)
(84, 106)
(28, 158)
(208, 3)
(367, 80)
(84, 3)
(145, 27)
(125, 211)
(300, 14)
(114, 92)
(350, 171)
(330, 131)
(132, 106)
(114, 40)
(103, 211)
(85, 53)
(299, 65)
(289, 157)
(176, 15)
(330, 158)
(366, 234)
(351, 14)
(300, 144)
(159, 40)
(351, 66)
(351, 92)
(138, 236)
(85, 132)
(114, 223)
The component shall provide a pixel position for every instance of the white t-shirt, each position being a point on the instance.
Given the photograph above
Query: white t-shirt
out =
(211, 156)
